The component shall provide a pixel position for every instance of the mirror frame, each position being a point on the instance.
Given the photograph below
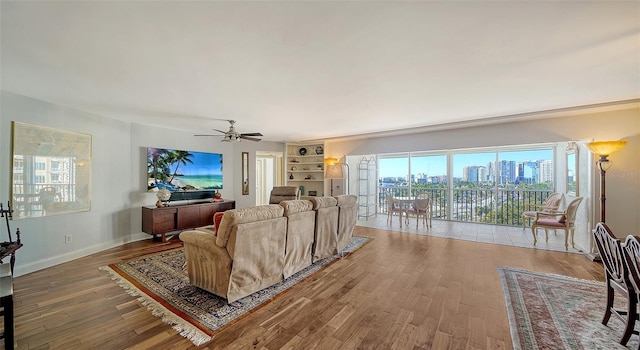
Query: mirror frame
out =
(245, 173)
(571, 160)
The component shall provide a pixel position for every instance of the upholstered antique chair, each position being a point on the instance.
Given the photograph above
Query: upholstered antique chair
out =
(557, 220)
(301, 226)
(552, 203)
(326, 233)
(283, 193)
(347, 217)
(421, 207)
(394, 206)
(617, 278)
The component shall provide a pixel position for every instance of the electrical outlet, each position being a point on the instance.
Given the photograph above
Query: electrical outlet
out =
(67, 239)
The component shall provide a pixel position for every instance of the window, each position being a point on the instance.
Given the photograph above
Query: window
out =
(40, 166)
(488, 185)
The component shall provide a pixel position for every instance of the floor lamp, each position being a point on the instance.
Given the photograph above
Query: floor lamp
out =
(337, 171)
(603, 149)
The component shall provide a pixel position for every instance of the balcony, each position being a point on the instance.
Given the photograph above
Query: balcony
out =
(490, 206)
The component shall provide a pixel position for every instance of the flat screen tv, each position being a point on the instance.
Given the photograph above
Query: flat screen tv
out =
(186, 174)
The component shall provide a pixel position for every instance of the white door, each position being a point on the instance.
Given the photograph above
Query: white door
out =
(268, 175)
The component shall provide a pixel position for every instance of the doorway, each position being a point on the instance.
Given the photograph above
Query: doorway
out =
(268, 174)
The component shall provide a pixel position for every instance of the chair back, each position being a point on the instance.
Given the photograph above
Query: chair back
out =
(631, 252)
(610, 251)
(422, 201)
(552, 203)
(572, 209)
(283, 193)
(391, 202)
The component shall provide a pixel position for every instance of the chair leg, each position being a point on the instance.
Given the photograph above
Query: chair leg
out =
(546, 233)
(533, 231)
(631, 318)
(610, 296)
(566, 236)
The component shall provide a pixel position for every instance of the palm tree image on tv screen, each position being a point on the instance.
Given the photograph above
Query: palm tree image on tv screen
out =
(183, 171)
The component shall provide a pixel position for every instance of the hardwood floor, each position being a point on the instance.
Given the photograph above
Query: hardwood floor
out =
(401, 291)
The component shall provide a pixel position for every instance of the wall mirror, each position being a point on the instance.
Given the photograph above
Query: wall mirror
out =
(572, 169)
(245, 173)
(50, 171)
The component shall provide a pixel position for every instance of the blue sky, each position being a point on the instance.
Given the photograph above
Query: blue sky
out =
(436, 165)
(203, 164)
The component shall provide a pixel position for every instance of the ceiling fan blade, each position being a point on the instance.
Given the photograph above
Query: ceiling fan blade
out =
(243, 136)
(224, 132)
(207, 135)
(252, 134)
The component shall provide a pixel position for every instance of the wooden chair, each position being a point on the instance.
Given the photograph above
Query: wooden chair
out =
(617, 279)
(394, 206)
(421, 207)
(557, 220)
(552, 203)
(631, 253)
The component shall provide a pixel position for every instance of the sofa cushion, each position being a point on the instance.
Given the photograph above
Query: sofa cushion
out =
(296, 206)
(217, 218)
(234, 217)
(323, 202)
(346, 199)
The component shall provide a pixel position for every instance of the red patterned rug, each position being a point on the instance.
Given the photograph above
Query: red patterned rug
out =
(548, 311)
(163, 286)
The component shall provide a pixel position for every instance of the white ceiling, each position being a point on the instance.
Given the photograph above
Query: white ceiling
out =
(313, 70)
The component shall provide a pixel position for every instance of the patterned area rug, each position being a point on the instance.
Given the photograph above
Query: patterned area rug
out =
(549, 311)
(163, 286)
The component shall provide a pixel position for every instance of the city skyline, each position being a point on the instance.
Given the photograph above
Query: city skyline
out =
(435, 165)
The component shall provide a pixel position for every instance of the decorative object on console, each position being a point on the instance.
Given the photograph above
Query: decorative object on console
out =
(603, 149)
(313, 193)
(319, 150)
(291, 176)
(163, 196)
(302, 151)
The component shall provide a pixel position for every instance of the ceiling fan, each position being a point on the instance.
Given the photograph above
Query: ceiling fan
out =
(232, 135)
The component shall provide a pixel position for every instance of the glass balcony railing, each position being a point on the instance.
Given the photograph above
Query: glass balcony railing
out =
(501, 207)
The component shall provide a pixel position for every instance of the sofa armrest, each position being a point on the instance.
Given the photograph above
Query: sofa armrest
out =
(208, 266)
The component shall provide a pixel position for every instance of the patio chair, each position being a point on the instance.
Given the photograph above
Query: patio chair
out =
(557, 220)
(394, 206)
(552, 203)
(421, 207)
(617, 277)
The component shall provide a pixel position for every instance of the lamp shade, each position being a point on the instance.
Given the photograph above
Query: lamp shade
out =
(606, 148)
(336, 171)
(330, 161)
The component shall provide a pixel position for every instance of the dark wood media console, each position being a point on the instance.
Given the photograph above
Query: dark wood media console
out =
(160, 221)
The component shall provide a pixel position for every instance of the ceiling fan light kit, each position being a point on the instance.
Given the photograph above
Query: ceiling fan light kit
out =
(232, 135)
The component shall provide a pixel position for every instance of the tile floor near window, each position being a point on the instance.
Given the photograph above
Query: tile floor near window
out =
(504, 235)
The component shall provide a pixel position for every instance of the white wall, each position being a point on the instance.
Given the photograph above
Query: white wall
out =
(623, 179)
(107, 224)
(118, 176)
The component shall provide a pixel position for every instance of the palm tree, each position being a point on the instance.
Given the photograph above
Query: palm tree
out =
(177, 158)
